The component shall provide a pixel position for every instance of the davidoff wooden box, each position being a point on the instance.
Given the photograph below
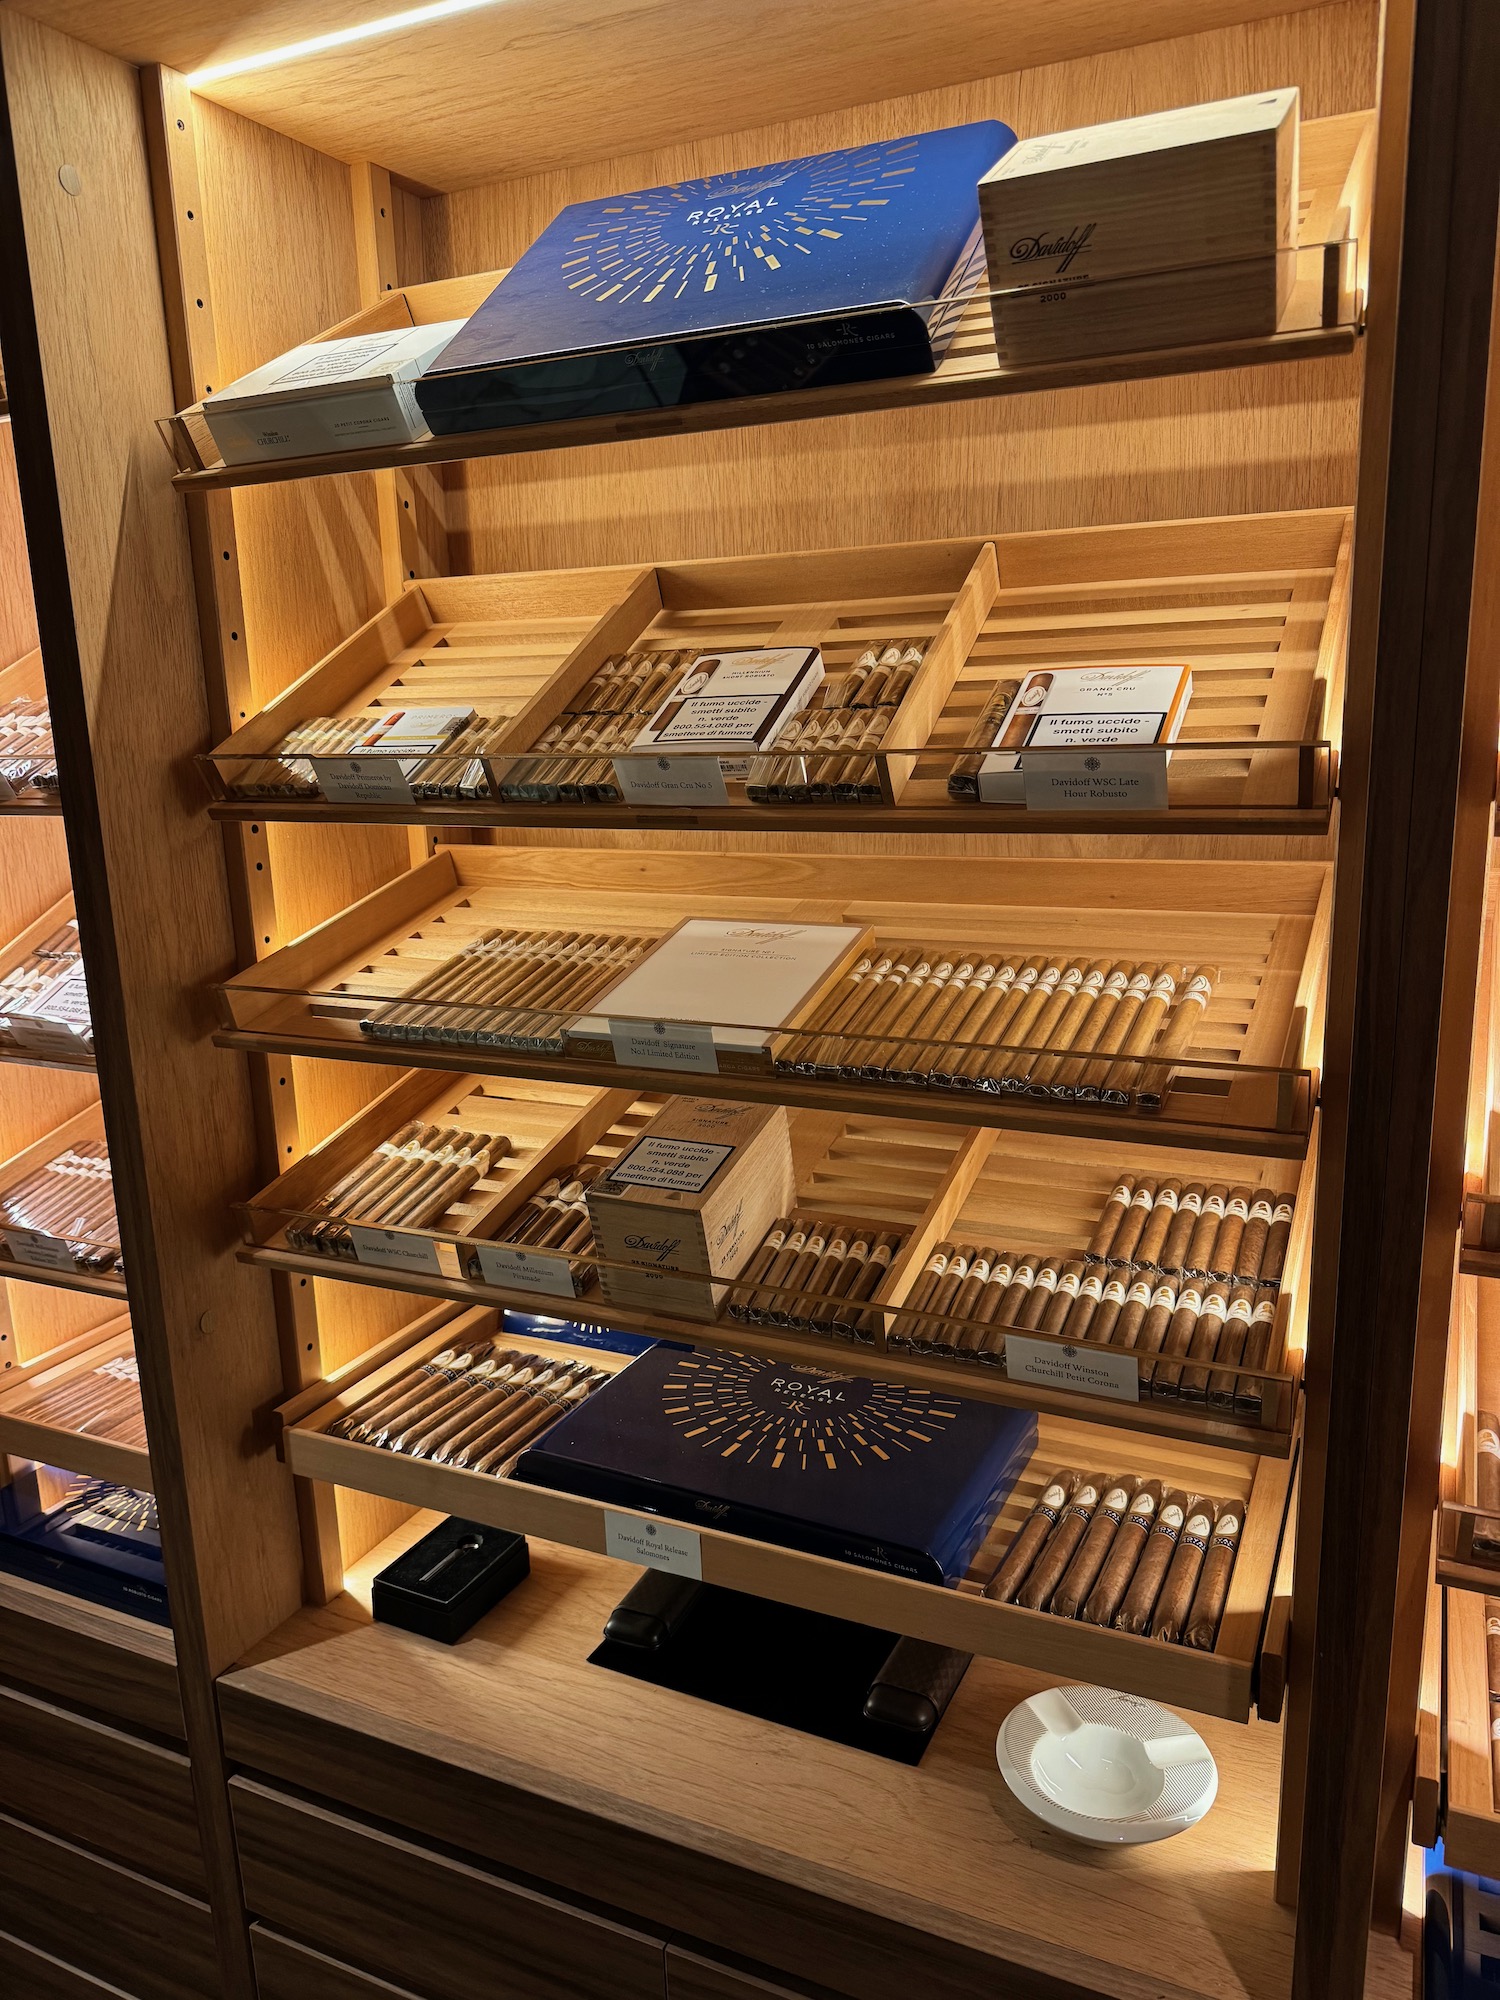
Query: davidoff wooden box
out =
(691, 1201)
(1149, 232)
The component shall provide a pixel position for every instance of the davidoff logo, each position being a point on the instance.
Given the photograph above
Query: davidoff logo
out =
(1032, 249)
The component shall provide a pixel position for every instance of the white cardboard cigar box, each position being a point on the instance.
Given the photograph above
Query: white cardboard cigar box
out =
(328, 395)
(1070, 713)
(1160, 231)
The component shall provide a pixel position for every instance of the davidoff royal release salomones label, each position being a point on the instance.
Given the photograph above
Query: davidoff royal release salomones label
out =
(1161, 231)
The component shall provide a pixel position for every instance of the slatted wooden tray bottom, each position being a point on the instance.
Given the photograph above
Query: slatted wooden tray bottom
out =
(1256, 606)
(1263, 926)
(1218, 1683)
(23, 1436)
(932, 1182)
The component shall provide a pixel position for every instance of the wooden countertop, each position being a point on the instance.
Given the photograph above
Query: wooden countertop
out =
(382, 1720)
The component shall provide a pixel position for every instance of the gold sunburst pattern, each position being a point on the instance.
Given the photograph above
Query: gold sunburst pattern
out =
(798, 1420)
(693, 236)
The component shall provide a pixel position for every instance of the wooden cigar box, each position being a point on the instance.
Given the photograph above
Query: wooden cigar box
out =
(1149, 232)
(690, 1202)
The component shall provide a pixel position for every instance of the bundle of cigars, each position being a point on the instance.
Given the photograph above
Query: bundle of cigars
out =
(951, 1017)
(571, 762)
(815, 1274)
(509, 989)
(27, 759)
(408, 1182)
(450, 768)
(24, 987)
(1126, 1552)
(1184, 1274)
(472, 1408)
(104, 1402)
(827, 753)
(1486, 1538)
(963, 779)
(555, 1219)
(72, 1199)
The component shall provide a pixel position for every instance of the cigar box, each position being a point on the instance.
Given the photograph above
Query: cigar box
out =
(689, 1202)
(870, 1473)
(1148, 232)
(843, 266)
(328, 395)
(1069, 712)
(712, 995)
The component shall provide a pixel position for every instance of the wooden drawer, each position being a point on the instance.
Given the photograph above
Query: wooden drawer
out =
(102, 1920)
(94, 1784)
(442, 1928)
(690, 1977)
(40, 1976)
(287, 1971)
(89, 1656)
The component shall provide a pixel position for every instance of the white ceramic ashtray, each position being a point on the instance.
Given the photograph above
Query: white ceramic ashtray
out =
(1106, 1767)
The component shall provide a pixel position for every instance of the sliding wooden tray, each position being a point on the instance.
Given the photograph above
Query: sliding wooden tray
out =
(1217, 1683)
(1468, 1539)
(23, 680)
(58, 1053)
(1471, 1828)
(26, 1436)
(1241, 1089)
(42, 1263)
(930, 1182)
(1258, 607)
(1337, 156)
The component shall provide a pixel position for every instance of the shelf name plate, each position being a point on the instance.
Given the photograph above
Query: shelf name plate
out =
(672, 781)
(525, 1270)
(1086, 1371)
(362, 781)
(1085, 781)
(656, 1544)
(33, 1246)
(395, 1250)
(665, 1045)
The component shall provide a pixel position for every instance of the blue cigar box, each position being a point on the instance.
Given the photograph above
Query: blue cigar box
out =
(841, 267)
(97, 1541)
(870, 1473)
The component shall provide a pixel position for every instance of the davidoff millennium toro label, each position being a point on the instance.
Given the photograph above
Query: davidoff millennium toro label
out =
(870, 1473)
(843, 266)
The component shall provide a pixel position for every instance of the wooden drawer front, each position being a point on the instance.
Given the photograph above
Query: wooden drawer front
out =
(40, 1976)
(99, 1786)
(287, 1971)
(63, 1648)
(106, 1921)
(690, 1977)
(444, 1929)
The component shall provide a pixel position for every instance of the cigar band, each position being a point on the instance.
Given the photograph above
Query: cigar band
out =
(1261, 1210)
(1170, 1522)
(1213, 1204)
(937, 1263)
(1197, 1531)
(1116, 1500)
(1093, 984)
(1240, 1309)
(1114, 1292)
(958, 1267)
(1167, 1199)
(1139, 987)
(1264, 1311)
(1163, 987)
(1085, 1500)
(1495, 1730)
(1025, 1273)
(1489, 1443)
(1123, 1193)
(1143, 1198)
(1164, 1295)
(1198, 988)
(1139, 1293)
(1236, 1207)
(1142, 1507)
(1071, 980)
(980, 1269)
(1053, 1501)
(1049, 979)
(1492, 1626)
(1045, 1279)
(1190, 1301)
(1115, 984)
(881, 1254)
(775, 1240)
(1027, 976)
(1091, 1288)
(1283, 1212)
(1190, 1204)
(1069, 1283)
(1227, 1530)
(1217, 1304)
(1001, 1272)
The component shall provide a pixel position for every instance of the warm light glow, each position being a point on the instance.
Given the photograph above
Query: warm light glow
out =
(338, 38)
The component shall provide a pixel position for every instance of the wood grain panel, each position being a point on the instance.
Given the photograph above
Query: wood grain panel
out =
(94, 1784)
(42, 1977)
(89, 1656)
(443, 1928)
(103, 1919)
(693, 1977)
(17, 617)
(1244, 441)
(288, 1971)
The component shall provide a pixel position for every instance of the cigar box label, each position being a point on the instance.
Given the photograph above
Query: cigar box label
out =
(672, 781)
(32, 1246)
(654, 1544)
(362, 781)
(1092, 781)
(394, 1249)
(684, 1165)
(57, 1020)
(1085, 1371)
(519, 1270)
(685, 1045)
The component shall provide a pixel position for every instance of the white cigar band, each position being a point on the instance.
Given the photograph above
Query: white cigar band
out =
(1167, 1200)
(1123, 1193)
(1236, 1208)
(1091, 1288)
(1164, 987)
(1217, 1304)
(1228, 1527)
(1264, 1311)
(1142, 1507)
(1139, 1293)
(1139, 987)
(1116, 1500)
(1086, 1496)
(1164, 1295)
(1213, 1204)
(1198, 988)
(1143, 1198)
(1114, 1292)
(1171, 1520)
(1068, 1283)
(1190, 1301)
(1283, 1212)
(1045, 1280)
(1262, 1211)
(1239, 1310)
(980, 1269)
(1192, 1204)
(1489, 1443)
(1198, 1528)
(1053, 1498)
(1115, 984)
(1093, 984)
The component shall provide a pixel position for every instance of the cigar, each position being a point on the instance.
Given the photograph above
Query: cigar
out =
(1083, 1571)
(1487, 1465)
(1492, 1647)
(1180, 1235)
(1253, 1240)
(1132, 1225)
(963, 779)
(1158, 1224)
(1176, 1596)
(1061, 1035)
(1051, 1565)
(1060, 1306)
(1273, 1257)
(1248, 1392)
(1205, 1233)
(1177, 1035)
(1134, 1615)
(1213, 1584)
(1072, 1071)
(1107, 1595)
(1111, 1216)
(1033, 1533)
(1107, 1314)
(1085, 1307)
(975, 1338)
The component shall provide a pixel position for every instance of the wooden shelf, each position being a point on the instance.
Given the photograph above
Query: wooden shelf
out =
(1217, 1683)
(24, 1435)
(1471, 1830)
(929, 1182)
